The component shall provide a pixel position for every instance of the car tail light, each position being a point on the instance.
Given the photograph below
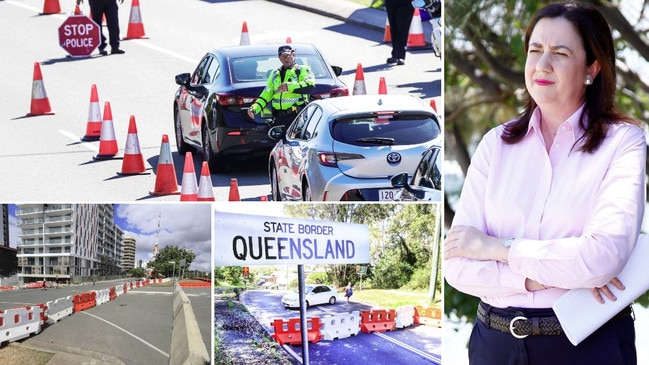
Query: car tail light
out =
(339, 91)
(233, 100)
(331, 159)
(352, 195)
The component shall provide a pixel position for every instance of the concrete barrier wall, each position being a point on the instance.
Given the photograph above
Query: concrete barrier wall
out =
(187, 347)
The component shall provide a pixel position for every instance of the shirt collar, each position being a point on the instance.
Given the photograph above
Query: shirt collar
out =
(572, 121)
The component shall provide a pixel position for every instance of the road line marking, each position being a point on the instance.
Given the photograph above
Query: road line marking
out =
(128, 333)
(292, 353)
(76, 138)
(165, 51)
(426, 355)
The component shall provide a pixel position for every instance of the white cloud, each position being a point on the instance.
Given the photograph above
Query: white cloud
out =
(186, 225)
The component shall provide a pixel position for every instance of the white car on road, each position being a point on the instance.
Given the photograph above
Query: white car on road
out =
(314, 295)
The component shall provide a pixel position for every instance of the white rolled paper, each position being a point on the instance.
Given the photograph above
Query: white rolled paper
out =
(580, 314)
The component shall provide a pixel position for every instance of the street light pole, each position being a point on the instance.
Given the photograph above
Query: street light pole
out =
(174, 269)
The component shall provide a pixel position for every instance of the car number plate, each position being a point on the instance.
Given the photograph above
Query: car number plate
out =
(387, 194)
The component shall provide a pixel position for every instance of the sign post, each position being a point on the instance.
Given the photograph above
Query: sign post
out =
(244, 240)
(361, 270)
(79, 35)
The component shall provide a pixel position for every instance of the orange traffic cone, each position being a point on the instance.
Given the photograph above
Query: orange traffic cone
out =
(416, 36)
(51, 7)
(40, 103)
(289, 40)
(165, 180)
(133, 163)
(188, 187)
(205, 190)
(359, 81)
(107, 141)
(387, 36)
(433, 105)
(263, 198)
(135, 26)
(382, 88)
(245, 39)
(93, 127)
(234, 191)
(77, 10)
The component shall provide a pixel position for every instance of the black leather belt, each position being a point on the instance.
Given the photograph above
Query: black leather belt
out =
(520, 326)
(286, 113)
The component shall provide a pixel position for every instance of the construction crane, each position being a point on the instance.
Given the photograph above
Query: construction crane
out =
(155, 248)
(153, 274)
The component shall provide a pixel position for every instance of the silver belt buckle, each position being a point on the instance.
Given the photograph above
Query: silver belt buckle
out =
(511, 326)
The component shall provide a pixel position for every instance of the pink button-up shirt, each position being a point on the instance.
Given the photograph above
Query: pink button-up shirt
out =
(575, 216)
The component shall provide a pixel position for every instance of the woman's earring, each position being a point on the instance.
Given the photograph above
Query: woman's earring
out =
(589, 80)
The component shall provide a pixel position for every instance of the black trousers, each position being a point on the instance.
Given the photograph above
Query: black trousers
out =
(399, 16)
(611, 344)
(109, 7)
(284, 120)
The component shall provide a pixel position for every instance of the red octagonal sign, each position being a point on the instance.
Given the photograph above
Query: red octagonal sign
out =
(79, 35)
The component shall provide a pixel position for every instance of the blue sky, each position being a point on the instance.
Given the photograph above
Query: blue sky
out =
(185, 225)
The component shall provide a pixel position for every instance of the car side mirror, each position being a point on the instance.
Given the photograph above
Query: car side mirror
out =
(182, 79)
(400, 180)
(277, 132)
(337, 70)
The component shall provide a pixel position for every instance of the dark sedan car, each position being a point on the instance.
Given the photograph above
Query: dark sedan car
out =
(426, 183)
(210, 106)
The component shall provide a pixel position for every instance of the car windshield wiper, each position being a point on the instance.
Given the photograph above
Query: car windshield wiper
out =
(381, 140)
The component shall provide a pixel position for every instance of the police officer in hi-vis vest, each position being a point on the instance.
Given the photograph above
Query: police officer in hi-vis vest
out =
(287, 90)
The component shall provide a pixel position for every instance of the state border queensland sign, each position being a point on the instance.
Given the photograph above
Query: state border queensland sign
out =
(244, 240)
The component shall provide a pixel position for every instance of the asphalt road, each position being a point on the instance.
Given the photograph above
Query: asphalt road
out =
(410, 346)
(135, 328)
(42, 157)
(15, 298)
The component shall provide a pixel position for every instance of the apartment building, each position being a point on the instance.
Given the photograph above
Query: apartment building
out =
(128, 257)
(67, 242)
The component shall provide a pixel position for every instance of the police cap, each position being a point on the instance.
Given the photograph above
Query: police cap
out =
(285, 49)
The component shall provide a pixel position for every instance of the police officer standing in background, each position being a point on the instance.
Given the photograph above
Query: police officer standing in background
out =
(109, 7)
(287, 90)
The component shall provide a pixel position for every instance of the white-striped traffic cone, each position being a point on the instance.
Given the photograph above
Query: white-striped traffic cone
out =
(359, 81)
(416, 36)
(135, 27)
(133, 163)
(107, 141)
(165, 180)
(40, 104)
(188, 186)
(205, 190)
(245, 38)
(93, 126)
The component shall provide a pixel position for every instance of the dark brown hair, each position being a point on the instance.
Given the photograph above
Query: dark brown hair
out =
(600, 110)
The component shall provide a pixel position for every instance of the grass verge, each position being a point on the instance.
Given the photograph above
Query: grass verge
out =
(14, 353)
(392, 298)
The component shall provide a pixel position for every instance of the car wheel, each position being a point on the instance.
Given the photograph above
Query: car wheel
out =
(332, 300)
(181, 145)
(216, 164)
(274, 183)
(306, 192)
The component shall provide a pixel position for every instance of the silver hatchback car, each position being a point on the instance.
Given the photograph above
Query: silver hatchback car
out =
(348, 148)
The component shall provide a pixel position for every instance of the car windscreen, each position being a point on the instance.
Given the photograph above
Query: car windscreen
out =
(258, 68)
(385, 130)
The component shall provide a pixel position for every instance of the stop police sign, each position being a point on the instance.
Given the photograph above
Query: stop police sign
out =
(79, 35)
